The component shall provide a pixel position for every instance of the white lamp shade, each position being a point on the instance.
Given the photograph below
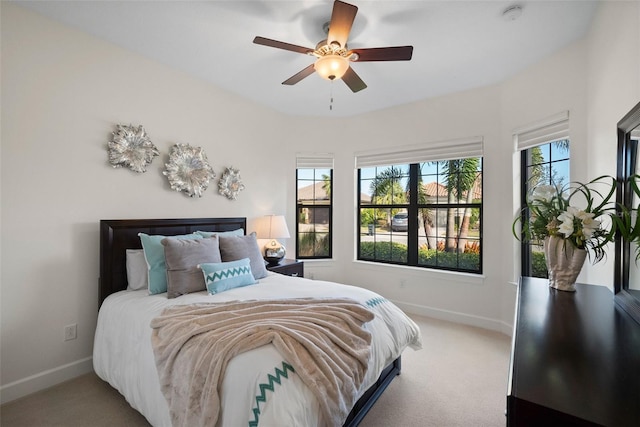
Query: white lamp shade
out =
(272, 227)
(331, 67)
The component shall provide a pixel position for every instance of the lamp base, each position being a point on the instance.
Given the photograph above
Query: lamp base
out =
(273, 254)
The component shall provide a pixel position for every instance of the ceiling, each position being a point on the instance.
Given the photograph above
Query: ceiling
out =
(458, 45)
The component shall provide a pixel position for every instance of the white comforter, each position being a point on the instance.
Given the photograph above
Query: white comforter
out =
(256, 388)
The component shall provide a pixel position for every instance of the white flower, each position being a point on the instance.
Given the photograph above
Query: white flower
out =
(589, 225)
(566, 219)
(544, 193)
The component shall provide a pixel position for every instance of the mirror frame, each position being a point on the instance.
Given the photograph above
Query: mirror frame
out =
(627, 162)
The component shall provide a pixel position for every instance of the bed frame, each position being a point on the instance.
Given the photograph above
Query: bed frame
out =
(116, 236)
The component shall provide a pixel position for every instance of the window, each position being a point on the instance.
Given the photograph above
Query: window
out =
(426, 214)
(314, 178)
(544, 160)
(546, 164)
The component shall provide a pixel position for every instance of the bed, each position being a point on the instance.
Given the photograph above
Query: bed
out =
(124, 357)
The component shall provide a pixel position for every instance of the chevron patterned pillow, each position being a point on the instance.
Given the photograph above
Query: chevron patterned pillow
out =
(222, 276)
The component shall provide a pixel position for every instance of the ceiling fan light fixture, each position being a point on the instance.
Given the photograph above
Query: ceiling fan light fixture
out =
(331, 67)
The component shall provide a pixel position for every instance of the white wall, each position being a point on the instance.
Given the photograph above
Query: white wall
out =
(63, 92)
(613, 88)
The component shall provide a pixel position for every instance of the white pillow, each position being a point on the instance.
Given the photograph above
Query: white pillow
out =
(136, 270)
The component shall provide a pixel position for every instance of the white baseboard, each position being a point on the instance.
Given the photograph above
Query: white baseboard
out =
(44, 380)
(457, 317)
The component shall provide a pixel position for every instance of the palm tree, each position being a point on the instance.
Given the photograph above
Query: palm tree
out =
(461, 175)
(326, 185)
(466, 217)
(386, 188)
(426, 214)
(537, 172)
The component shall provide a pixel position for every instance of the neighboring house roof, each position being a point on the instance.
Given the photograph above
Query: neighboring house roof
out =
(433, 189)
(312, 192)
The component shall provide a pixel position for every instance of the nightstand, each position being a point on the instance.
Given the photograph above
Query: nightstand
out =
(288, 267)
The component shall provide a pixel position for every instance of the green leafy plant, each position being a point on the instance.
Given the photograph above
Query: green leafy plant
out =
(627, 221)
(397, 252)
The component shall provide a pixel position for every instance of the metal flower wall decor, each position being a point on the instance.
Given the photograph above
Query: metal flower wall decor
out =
(131, 147)
(188, 170)
(230, 183)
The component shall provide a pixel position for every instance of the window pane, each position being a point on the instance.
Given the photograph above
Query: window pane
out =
(559, 150)
(560, 173)
(388, 186)
(305, 174)
(545, 152)
(538, 264)
(316, 190)
(378, 240)
(313, 231)
(314, 213)
(320, 174)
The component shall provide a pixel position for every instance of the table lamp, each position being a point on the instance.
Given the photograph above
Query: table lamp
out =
(272, 227)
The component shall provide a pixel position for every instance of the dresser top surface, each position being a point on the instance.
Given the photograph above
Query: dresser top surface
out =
(576, 352)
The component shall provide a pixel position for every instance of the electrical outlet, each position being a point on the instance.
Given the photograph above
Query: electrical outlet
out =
(71, 332)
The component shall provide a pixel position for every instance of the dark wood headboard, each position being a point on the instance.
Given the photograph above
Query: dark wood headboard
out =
(118, 235)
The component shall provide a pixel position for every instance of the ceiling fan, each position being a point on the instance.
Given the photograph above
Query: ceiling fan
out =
(333, 55)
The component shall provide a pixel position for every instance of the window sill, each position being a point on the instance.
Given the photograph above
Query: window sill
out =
(419, 271)
(317, 261)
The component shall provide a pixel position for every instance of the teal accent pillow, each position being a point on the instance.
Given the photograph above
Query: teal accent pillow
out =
(222, 276)
(154, 255)
(238, 232)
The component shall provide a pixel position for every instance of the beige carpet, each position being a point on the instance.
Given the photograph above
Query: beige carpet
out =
(459, 378)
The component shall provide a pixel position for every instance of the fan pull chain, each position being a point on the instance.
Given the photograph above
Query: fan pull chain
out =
(331, 97)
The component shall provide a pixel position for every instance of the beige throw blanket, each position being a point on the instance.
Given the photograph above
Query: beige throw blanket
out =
(322, 339)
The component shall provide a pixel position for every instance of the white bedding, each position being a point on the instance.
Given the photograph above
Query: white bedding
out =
(123, 355)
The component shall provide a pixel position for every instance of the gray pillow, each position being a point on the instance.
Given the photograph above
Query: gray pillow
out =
(233, 248)
(182, 258)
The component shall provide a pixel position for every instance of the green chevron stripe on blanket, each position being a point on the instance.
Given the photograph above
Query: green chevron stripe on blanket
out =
(269, 386)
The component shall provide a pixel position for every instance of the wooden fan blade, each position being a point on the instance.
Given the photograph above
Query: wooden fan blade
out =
(353, 80)
(342, 18)
(281, 45)
(299, 76)
(395, 53)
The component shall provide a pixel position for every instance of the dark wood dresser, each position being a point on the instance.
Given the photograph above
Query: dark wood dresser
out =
(575, 359)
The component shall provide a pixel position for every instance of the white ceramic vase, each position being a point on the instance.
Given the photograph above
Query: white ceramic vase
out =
(564, 262)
